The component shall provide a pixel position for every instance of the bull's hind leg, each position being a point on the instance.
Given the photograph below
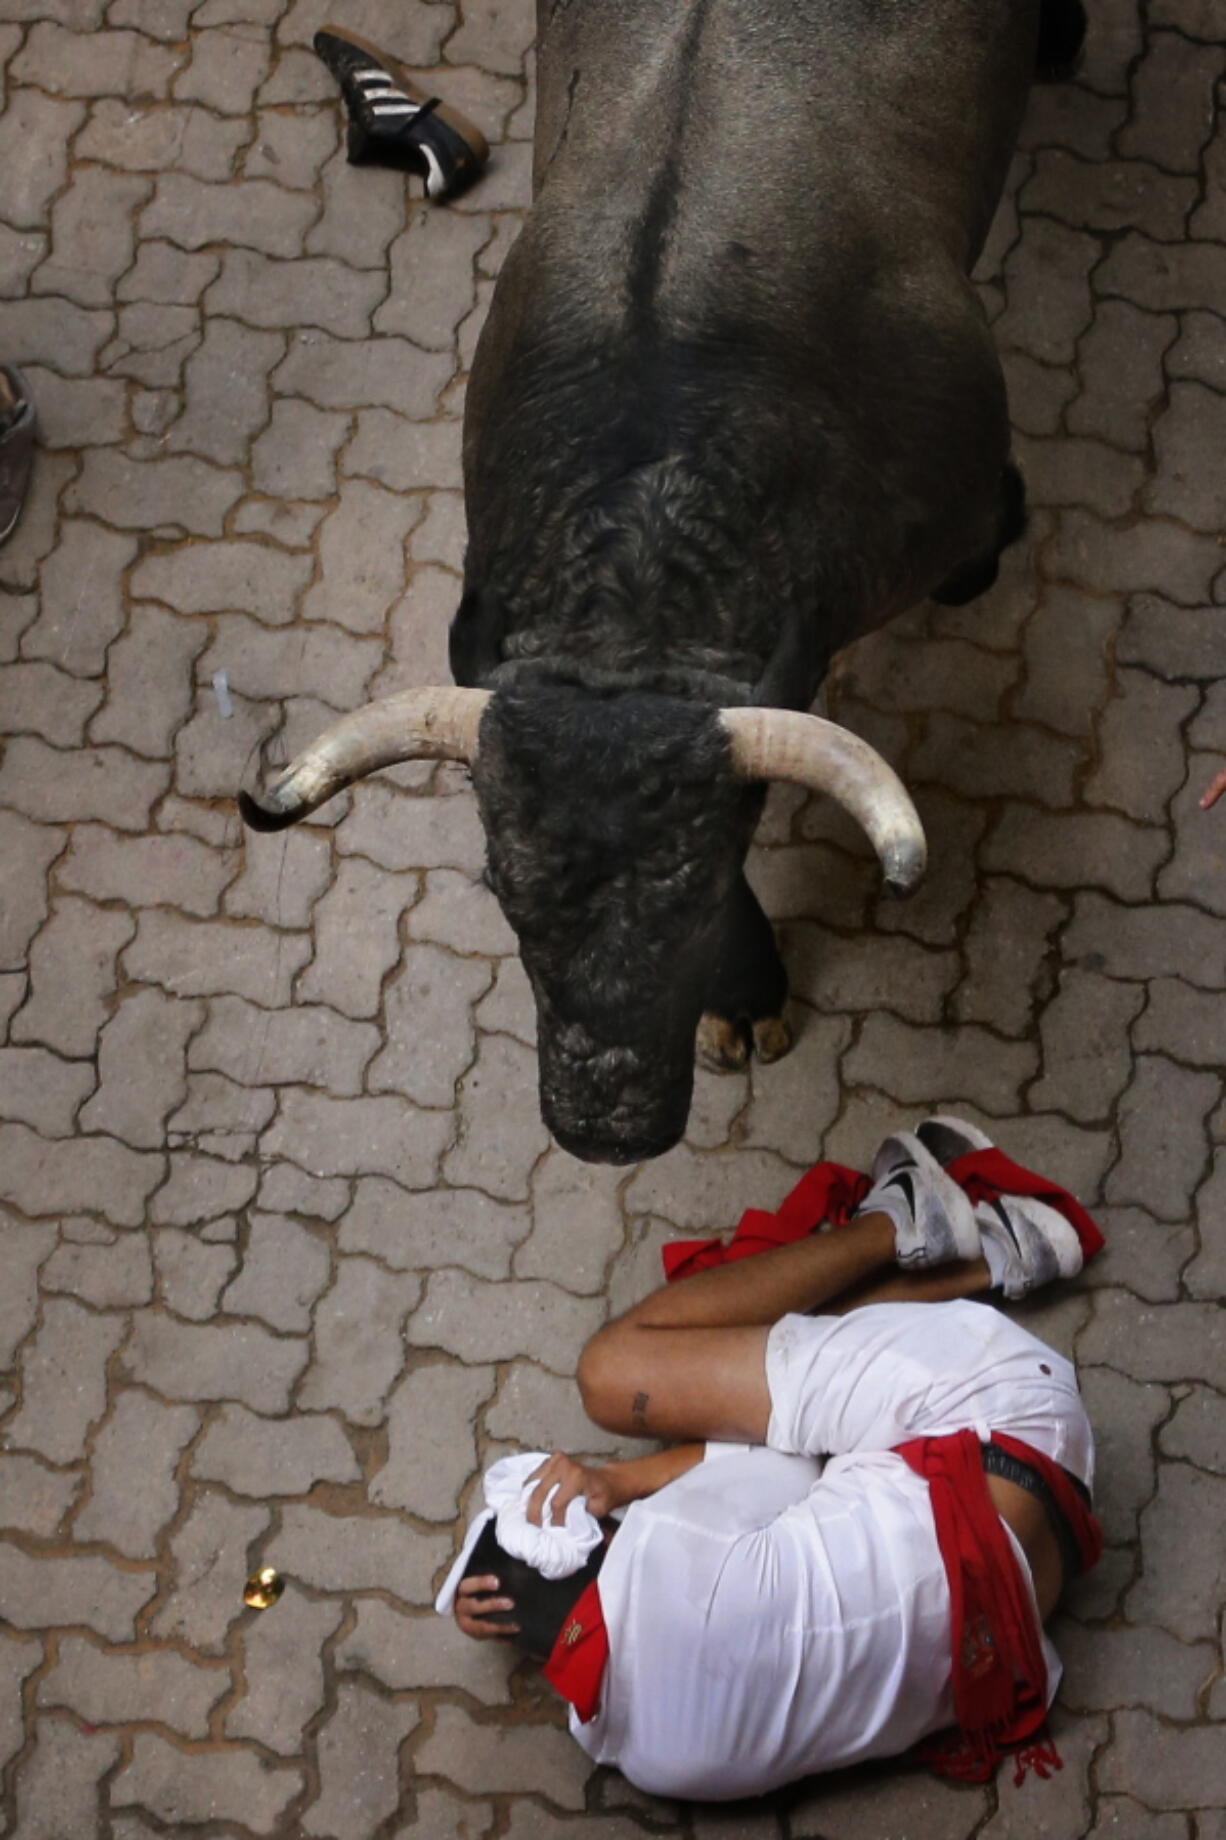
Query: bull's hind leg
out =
(977, 576)
(1062, 30)
(744, 1010)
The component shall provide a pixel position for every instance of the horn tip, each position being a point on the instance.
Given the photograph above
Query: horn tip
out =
(904, 870)
(259, 817)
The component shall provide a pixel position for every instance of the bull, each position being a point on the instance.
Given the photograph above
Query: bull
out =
(735, 405)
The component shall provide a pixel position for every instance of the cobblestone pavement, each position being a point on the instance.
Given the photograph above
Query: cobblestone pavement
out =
(287, 1253)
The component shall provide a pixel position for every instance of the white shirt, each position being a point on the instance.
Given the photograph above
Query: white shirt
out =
(769, 1618)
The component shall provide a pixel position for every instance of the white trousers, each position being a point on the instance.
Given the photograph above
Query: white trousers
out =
(891, 1371)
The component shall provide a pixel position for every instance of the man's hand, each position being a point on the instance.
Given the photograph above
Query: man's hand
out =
(572, 1479)
(475, 1601)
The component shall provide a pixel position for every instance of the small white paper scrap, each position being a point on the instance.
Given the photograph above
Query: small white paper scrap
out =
(221, 691)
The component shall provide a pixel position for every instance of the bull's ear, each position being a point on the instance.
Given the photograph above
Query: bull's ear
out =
(475, 641)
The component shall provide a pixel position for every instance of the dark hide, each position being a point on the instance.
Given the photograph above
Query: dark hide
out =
(616, 899)
(735, 404)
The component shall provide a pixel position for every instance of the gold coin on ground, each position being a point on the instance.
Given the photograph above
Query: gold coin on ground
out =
(263, 1588)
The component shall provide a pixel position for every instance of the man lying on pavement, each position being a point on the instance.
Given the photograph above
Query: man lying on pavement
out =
(867, 1568)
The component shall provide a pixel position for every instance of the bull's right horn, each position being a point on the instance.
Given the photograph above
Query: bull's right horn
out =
(434, 724)
(809, 751)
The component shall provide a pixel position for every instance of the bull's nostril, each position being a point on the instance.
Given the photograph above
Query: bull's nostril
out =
(623, 1148)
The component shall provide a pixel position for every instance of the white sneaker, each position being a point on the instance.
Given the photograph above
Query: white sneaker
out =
(933, 1220)
(1026, 1243)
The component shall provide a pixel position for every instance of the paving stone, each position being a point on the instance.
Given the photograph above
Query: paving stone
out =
(1142, 757)
(55, 786)
(17, 1661)
(1049, 303)
(1014, 761)
(1086, 1056)
(1068, 1809)
(1144, 942)
(1006, 951)
(1038, 393)
(1083, 472)
(33, 1499)
(702, 1192)
(1164, 1342)
(18, 612)
(92, 236)
(284, 1269)
(352, 1804)
(1153, 554)
(141, 1055)
(225, 71)
(82, 609)
(20, 255)
(282, 876)
(332, 1552)
(64, 1380)
(42, 1090)
(1188, 432)
(1077, 849)
(427, 1007)
(38, 699)
(427, 1464)
(896, 674)
(292, 1191)
(403, 1652)
(1204, 1274)
(290, 149)
(257, 1047)
(501, 1134)
(182, 1786)
(142, 1437)
(261, 1457)
(433, 284)
(1196, 1432)
(462, 914)
(541, 1411)
(160, 139)
(250, 213)
(93, 64)
(167, 871)
(407, 456)
(214, 753)
(361, 549)
(152, 345)
(357, 942)
(1120, 364)
(1145, 1254)
(1178, 1022)
(1197, 869)
(201, 958)
(12, 996)
(50, 1593)
(255, 286)
(178, 492)
(529, 1821)
(377, 1136)
(224, 392)
(1173, 103)
(1200, 350)
(85, 1173)
(238, 1361)
(359, 1341)
(478, 1321)
(27, 851)
(110, 1277)
(1106, 1668)
(832, 972)
(483, 1759)
(201, 1188)
(295, 456)
(107, 1688)
(362, 212)
(1120, 1818)
(443, 1226)
(76, 412)
(191, 1272)
(348, 373)
(510, 1007)
(35, 134)
(913, 1063)
(441, 536)
(577, 1223)
(1162, 1128)
(283, 1672)
(404, 833)
(210, 1551)
(58, 1785)
(1111, 195)
(1170, 1768)
(298, 77)
(1162, 277)
(149, 674)
(167, 274)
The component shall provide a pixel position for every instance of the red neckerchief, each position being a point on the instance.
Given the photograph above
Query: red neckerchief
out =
(999, 1675)
(577, 1662)
(827, 1192)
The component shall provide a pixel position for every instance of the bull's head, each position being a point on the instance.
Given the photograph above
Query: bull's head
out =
(616, 824)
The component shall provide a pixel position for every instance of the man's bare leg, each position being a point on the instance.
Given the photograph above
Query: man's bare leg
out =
(690, 1360)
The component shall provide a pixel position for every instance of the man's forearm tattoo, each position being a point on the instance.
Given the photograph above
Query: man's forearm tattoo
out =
(638, 1412)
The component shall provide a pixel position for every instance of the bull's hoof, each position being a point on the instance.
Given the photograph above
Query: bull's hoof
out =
(722, 1045)
(772, 1038)
(726, 1046)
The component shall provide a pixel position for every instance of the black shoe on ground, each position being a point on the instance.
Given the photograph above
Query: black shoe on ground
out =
(18, 430)
(393, 123)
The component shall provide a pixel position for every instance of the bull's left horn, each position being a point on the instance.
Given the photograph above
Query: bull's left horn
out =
(784, 744)
(434, 724)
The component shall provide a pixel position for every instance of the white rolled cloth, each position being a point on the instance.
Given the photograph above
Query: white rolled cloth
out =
(555, 1549)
